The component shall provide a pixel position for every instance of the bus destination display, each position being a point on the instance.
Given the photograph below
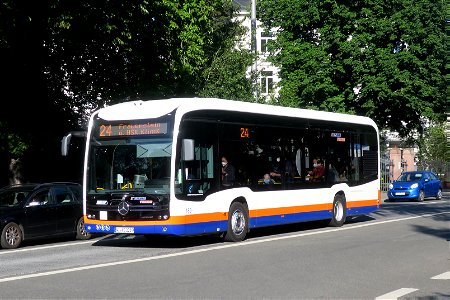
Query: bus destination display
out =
(132, 129)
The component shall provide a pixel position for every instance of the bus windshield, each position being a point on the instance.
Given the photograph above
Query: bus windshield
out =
(130, 163)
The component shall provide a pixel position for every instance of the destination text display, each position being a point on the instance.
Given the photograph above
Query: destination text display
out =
(132, 129)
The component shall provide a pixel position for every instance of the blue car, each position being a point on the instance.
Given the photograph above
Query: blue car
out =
(415, 185)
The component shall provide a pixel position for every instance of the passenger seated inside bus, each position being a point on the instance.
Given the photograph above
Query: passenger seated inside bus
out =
(228, 173)
(276, 170)
(318, 173)
(266, 183)
(332, 174)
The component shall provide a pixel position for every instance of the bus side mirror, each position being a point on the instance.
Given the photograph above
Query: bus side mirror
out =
(65, 142)
(187, 149)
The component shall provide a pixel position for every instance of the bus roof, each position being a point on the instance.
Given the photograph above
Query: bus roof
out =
(140, 109)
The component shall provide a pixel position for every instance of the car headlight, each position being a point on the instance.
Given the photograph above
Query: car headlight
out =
(391, 186)
(414, 185)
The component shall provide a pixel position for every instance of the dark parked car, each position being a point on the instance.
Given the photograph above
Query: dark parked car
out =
(30, 211)
(415, 185)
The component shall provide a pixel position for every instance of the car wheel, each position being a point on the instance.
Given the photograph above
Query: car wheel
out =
(11, 236)
(439, 195)
(421, 196)
(339, 212)
(237, 223)
(82, 234)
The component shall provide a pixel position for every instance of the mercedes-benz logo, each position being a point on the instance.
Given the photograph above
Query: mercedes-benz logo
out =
(123, 208)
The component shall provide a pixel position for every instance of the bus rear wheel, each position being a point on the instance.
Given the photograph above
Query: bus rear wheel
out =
(339, 212)
(237, 223)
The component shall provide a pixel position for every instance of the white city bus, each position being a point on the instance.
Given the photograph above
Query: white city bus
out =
(154, 167)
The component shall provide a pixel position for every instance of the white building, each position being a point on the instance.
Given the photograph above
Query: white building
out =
(268, 78)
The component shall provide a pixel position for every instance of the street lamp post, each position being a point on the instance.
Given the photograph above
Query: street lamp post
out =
(254, 47)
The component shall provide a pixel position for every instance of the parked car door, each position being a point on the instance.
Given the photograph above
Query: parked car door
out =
(427, 185)
(69, 209)
(435, 184)
(40, 214)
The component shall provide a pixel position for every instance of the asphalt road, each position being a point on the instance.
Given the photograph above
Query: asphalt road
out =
(399, 252)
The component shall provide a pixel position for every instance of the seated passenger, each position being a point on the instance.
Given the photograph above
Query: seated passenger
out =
(332, 175)
(277, 171)
(267, 182)
(317, 174)
(228, 173)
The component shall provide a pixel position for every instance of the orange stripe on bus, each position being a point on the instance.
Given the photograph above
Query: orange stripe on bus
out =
(174, 220)
(289, 210)
(221, 216)
(362, 203)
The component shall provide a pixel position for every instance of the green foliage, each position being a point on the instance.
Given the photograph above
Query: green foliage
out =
(64, 59)
(382, 59)
(107, 52)
(226, 77)
(433, 149)
(11, 143)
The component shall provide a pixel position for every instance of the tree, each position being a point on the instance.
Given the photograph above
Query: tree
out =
(226, 76)
(433, 148)
(64, 59)
(382, 59)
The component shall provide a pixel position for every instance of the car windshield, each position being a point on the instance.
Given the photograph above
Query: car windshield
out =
(12, 197)
(406, 177)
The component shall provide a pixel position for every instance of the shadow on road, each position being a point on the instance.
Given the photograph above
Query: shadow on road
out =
(157, 241)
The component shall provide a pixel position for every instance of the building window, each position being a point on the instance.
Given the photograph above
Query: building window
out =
(267, 82)
(265, 37)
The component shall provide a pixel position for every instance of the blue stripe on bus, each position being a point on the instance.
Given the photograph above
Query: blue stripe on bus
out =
(362, 210)
(221, 226)
(289, 218)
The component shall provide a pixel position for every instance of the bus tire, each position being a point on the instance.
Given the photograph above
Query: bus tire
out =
(82, 233)
(11, 236)
(339, 212)
(237, 223)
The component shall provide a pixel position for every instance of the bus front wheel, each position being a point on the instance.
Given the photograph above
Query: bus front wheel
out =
(339, 212)
(237, 223)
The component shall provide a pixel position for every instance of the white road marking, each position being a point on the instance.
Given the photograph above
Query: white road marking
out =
(433, 202)
(240, 244)
(6, 251)
(445, 276)
(396, 294)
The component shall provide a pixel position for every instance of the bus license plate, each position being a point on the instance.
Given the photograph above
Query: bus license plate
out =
(400, 194)
(124, 230)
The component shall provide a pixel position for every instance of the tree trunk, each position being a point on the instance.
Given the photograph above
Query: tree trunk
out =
(15, 171)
